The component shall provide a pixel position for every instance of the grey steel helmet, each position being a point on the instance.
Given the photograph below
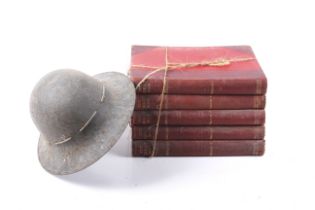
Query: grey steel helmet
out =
(79, 117)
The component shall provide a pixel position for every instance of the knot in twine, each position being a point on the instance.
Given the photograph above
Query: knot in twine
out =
(174, 66)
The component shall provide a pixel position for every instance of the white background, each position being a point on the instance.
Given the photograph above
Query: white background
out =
(95, 36)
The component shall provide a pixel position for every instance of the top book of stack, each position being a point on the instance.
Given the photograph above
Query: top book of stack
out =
(231, 70)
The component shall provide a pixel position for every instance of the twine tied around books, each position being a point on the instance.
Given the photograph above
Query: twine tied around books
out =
(173, 66)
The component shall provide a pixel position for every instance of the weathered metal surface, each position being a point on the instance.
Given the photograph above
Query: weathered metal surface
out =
(79, 117)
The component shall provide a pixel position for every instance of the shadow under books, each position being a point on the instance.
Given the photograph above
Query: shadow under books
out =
(118, 169)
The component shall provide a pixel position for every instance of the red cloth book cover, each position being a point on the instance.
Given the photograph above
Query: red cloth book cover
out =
(198, 102)
(200, 117)
(142, 148)
(239, 74)
(198, 132)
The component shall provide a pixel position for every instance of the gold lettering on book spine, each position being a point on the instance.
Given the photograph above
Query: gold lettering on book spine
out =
(210, 148)
(211, 132)
(167, 149)
(165, 118)
(210, 102)
(258, 86)
(256, 102)
(210, 117)
(212, 87)
(256, 132)
(256, 118)
(255, 148)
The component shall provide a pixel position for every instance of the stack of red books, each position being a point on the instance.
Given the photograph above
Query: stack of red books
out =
(213, 101)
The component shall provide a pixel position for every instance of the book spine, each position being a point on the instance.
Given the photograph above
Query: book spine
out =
(198, 132)
(199, 102)
(143, 148)
(203, 87)
(200, 117)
